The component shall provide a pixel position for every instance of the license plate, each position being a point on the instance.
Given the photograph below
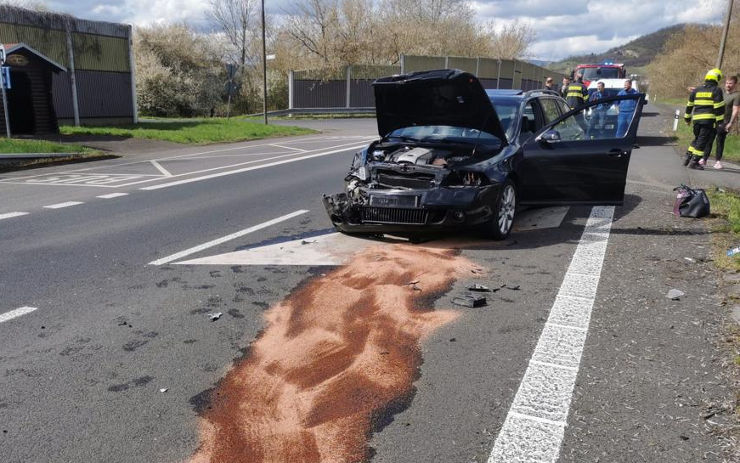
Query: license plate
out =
(394, 201)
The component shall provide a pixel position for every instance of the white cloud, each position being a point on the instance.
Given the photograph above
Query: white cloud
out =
(563, 28)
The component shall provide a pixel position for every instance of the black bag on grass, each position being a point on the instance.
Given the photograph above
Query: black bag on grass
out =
(691, 202)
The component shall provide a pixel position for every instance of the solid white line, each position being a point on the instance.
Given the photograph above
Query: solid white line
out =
(10, 215)
(247, 169)
(16, 313)
(538, 419)
(226, 238)
(112, 195)
(553, 365)
(568, 327)
(164, 171)
(61, 205)
(546, 390)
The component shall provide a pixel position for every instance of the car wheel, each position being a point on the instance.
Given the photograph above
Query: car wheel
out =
(504, 211)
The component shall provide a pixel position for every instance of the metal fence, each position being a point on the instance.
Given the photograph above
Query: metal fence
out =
(350, 88)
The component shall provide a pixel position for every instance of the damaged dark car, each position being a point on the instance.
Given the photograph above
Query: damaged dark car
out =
(452, 156)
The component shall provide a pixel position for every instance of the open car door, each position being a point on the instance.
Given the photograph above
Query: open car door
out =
(582, 157)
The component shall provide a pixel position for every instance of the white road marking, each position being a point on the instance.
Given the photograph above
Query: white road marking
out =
(330, 249)
(10, 215)
(112, 195)
(164, 171)
(310, 138)
(16, 313)
(535, 425)
(226, 238)
(289, 148)
(61, 205)
(247, 169)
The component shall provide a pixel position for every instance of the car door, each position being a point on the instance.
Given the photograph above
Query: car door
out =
(582, 157)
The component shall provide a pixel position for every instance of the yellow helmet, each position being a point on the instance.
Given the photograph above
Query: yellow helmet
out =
(715, 75)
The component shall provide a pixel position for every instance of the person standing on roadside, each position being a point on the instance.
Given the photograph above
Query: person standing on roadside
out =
(577, 93)
(564, 87)
(598, 114)
(549, 84)
(732, 108)
(706, 108)
(626, 109)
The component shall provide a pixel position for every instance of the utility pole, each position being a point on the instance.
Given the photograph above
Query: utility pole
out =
(721, 56)
(264, 65)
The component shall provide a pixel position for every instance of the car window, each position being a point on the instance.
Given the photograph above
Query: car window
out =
(599, 121)
(550, 108)
(529, 124)
(507, 110)
(563, 106)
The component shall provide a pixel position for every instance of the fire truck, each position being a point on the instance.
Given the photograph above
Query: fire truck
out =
(607, 70)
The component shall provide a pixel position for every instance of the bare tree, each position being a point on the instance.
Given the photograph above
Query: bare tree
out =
(510, 41)
(238, 21)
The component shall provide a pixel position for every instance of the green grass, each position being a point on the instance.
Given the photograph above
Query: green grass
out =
(192, 131)
(725, 205)
(732, 142)
(15, 146)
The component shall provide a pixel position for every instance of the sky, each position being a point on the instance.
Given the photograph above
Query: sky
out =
(563, 27)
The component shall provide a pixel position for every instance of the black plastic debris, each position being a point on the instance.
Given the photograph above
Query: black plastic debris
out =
(512, 287)
(215, 316)
(469, 300)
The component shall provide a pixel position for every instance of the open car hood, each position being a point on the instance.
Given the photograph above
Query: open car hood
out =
(443, 97)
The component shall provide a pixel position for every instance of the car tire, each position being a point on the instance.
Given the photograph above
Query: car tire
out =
(504, 211)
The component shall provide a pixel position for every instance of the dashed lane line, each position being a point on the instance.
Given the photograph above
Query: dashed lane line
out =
(62, 205)
(112, 195)
(535, 425)
(16, 313)
(247, 169)
(226, 238)
(10, 215)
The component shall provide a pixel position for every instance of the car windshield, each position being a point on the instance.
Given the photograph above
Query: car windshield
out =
(599, 73)
(444, 133)
(507, 110)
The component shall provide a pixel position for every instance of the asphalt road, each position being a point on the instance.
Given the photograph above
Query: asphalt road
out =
(113, 363)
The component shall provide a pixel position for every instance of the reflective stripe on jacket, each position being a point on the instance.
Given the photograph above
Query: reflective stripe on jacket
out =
(576, 95)
(706, 104)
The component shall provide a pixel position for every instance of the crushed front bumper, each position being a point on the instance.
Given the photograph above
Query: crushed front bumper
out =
(412, 212)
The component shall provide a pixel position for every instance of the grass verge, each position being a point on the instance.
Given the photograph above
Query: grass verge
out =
(192, 131)
(16, 146)
(685, 135)
(725, 206)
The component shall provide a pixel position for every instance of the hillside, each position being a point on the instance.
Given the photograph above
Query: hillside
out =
(635, 54)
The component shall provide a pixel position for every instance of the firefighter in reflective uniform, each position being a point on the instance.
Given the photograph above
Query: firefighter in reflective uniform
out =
(706, 109)
(577, 93)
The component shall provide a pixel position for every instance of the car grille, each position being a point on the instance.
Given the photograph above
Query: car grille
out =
(392, 179)
(394, 215)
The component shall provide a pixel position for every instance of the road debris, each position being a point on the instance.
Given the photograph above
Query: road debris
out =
(733, 251)
(674, 294)
(215, 316)
(163, 390)
(689, 259)
(513, 287)
(307, 242)
(469, 300)
(479, 288)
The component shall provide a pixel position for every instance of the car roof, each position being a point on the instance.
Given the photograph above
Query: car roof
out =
(514, 93)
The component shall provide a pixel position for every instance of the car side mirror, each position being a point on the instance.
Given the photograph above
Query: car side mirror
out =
(551, 136)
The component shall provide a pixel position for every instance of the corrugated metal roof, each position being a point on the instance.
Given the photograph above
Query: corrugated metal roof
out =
(15, 15)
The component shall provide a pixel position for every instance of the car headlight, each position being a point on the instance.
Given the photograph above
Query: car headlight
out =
(466, 178)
